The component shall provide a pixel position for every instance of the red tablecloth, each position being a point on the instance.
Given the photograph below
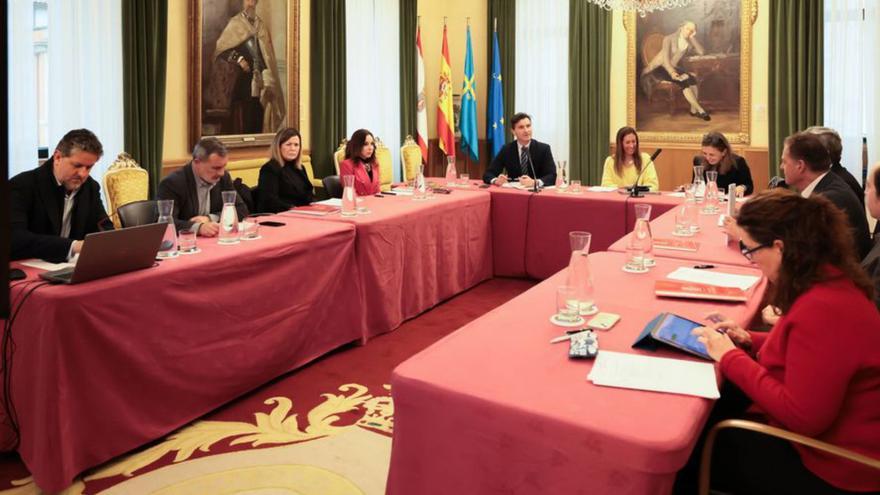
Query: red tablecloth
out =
(553, 215)
(104, 367)
(412, 255)
(713, 246)
(495, 408)
(510, 212)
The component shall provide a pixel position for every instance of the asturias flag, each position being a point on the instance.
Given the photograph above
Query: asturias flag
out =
(469, 105)
(495, 121)
(445, 113)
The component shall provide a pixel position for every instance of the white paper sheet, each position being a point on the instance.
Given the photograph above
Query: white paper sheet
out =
(674, 376)
(713, 277)
(332, 202)
(45, 265)
(677, 195)
(513, 185)
(601, 189)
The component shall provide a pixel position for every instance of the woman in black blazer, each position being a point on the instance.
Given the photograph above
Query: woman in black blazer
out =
(283, 180)
(731, 168)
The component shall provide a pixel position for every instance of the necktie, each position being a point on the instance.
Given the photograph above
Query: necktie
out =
(524, 160)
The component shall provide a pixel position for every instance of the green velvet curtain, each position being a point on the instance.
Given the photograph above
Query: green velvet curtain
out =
(327, 81)
(796, 57)
(408, 63)
(505, 12)
(144, 40)
(589, 59)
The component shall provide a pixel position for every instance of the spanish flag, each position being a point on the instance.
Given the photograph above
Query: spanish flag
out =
(445, 115)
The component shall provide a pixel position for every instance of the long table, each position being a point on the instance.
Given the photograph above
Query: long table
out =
(412, 255)
(104, 367)
(713, 244)
(507, 412)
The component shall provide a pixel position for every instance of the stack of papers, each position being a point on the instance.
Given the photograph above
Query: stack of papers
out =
(45, 265)
(513, 185)
(712, 277)
(330, 202)
(674, 376)
(601, 189)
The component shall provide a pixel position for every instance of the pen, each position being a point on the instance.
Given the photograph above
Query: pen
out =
(703, 267)
(389, 193)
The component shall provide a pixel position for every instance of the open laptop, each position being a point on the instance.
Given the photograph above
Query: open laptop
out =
(112, 252)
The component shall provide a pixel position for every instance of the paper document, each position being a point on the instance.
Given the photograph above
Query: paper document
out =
(674, 376)
(331, 202)
(45, 265)
(676, 195)
(711, 277)
(601, 189)
(513, 185)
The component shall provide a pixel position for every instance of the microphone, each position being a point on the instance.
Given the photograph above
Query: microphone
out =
(698, 161)
(532, 168)
(656, 154)
(636, 190)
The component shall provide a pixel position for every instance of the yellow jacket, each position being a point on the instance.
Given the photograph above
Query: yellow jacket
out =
(648, 177)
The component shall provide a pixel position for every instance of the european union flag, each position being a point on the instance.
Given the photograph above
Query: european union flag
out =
(469, 105)
(495, 120)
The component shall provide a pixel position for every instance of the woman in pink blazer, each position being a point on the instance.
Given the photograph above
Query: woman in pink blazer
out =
(360, 161)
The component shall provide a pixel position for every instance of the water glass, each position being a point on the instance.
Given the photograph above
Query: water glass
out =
(567, 306)
(429, 192)
(186, 241)
(464, 179)
(683, 221)
(635, 258)
(250, 229)
(574, 187)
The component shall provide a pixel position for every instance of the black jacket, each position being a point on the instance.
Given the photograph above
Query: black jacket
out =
(283, 187)
(508, 159)
(835, 189)
(37, 203)
(180, 186)
(850, 181)
(739, 174)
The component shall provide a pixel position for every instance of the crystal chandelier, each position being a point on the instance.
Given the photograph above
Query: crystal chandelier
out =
(643, 7)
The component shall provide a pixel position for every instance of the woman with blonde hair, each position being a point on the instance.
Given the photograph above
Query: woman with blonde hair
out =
(283, 180)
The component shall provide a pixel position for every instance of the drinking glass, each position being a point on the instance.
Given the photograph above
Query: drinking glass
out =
(186, 241)
(683, 221)
(464, 179)
(575, 187)
(635, 258)
(566, 304)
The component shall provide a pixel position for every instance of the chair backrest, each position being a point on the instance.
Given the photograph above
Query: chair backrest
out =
(651, 46)
(124, 182)
(411, 157)
(138, 213)
(247, 170)
(386, 165)
(339, 154)
(333, 186)
(310, 171)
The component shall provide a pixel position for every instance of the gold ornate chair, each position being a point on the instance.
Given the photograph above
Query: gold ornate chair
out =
(339, 154)
(386, 165)
(124, 182)
(706, 463)
(411, 157)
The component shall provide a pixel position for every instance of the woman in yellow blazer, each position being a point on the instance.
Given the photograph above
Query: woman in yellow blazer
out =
(628, 164)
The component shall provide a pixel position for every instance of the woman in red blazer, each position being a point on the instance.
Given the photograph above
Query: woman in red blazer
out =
(360, 161)
(817, 372)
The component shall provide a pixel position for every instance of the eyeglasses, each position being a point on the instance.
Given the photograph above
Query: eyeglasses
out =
(749, 253)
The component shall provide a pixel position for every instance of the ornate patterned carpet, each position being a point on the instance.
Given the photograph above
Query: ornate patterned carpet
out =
(323, 429)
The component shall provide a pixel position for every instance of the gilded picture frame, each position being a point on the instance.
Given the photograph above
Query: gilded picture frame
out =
(243, 70)
(708, 47)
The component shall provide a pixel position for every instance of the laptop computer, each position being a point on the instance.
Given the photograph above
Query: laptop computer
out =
(112, 252)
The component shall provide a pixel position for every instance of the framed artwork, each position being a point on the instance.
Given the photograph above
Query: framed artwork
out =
(244, 69)
(689, 71)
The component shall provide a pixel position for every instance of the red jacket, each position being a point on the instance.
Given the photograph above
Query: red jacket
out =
(818, 374)
(362, 183)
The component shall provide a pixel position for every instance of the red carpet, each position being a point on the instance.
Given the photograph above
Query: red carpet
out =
(369, 365)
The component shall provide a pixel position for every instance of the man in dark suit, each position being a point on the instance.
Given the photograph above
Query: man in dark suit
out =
(54, 206)
(831, 139)
(524, 158)
(807, 166)
(196, 188)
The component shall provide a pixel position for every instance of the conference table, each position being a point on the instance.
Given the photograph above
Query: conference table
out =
(530, 230)
(496, 408)
(412, 255)
(713, 245)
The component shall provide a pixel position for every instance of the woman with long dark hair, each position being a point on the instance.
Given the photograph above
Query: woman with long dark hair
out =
(283, 181)
(629, 165)
(360, 161)
(732, 168)
(817, 372)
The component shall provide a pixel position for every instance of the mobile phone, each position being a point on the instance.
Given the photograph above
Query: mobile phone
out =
(272, 223)
(603, 321)
(484, 186)
(16, 274)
